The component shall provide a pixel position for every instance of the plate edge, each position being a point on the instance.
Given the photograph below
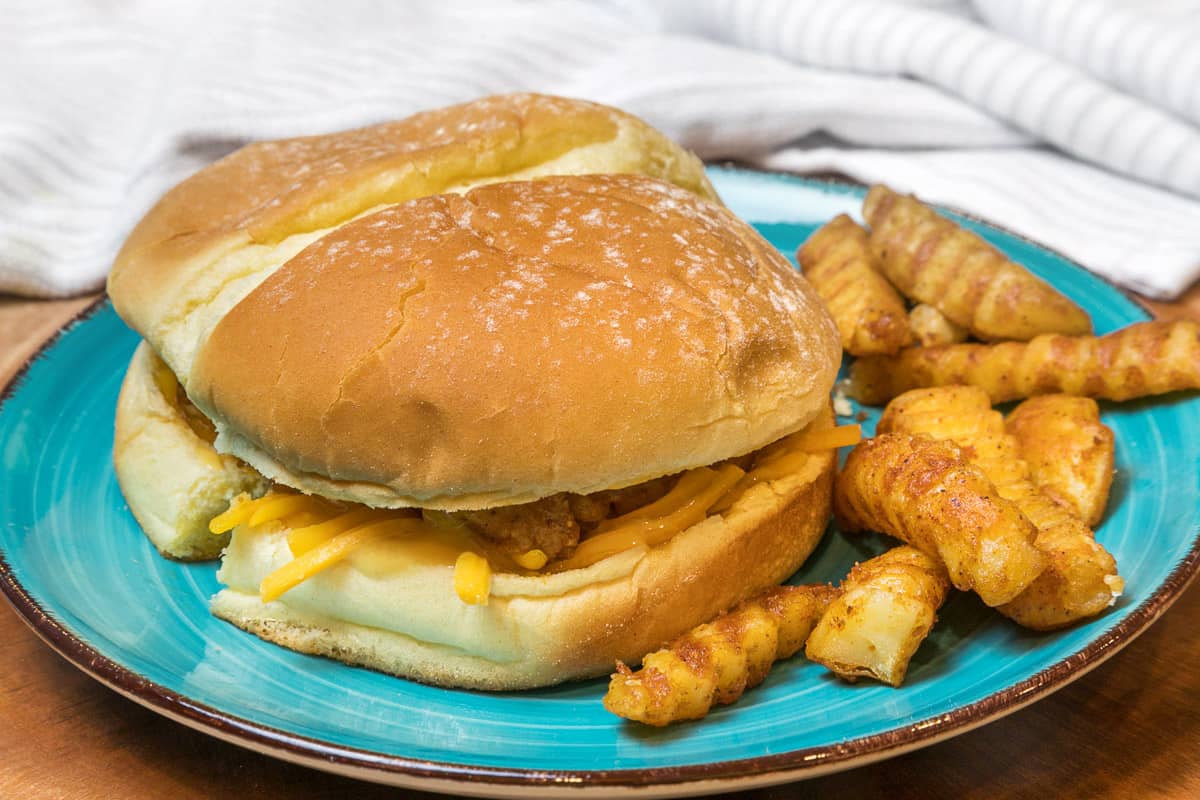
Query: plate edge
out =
(795, 764)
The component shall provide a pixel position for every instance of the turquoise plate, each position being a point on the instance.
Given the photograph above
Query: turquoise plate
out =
(77, 568)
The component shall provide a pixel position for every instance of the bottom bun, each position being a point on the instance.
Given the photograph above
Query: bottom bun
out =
(172, 478)
(405, 619)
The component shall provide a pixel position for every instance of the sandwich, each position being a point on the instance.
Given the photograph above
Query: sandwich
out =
(490, 397)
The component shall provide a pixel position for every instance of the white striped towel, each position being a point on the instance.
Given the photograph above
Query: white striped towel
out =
(1074, 122)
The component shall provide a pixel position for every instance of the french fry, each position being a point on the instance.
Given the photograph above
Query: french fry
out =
(963, 415)
(887, 607)
(1146, 358)
(933, 260)
(1070, 452)
(1080, 582)
(714, 663)
(930, 327)
(925, 493)
(870, 315)
(1081, 578)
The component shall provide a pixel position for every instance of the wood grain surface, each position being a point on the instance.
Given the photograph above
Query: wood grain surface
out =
(1130, 728)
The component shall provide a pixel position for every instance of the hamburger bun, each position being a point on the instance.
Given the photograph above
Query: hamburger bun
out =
(569, 334)
(213, 238)
(462, 345)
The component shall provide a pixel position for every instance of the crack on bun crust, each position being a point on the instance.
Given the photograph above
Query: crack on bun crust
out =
(543, 353)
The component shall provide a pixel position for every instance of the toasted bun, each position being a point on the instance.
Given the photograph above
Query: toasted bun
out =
(535, 631)
(400, 316)
(218, 234)
(526, 338)
(172, 478)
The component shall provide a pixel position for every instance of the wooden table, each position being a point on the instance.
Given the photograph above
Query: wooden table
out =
(1130, 728)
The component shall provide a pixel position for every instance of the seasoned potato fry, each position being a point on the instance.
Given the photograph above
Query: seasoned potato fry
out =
(930, 327)
(925, 492)
(887, 607)
(964, 415)
(1080, 582)
(1081, 578)
(933, 260)
(839, 264)
(1146, 358)
(1070, 452)
(715, 662)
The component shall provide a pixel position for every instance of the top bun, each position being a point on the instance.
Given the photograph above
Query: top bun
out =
(213, 238)
(522, 339)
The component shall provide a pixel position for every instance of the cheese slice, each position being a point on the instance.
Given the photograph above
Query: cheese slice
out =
(690, 484)
(787, 457)
(301, 540)
(532, 560)
(472, 578)
(320, 536)
(817, 441)
(704, 487)
(276, 506)
(325, 555)
(238, 513)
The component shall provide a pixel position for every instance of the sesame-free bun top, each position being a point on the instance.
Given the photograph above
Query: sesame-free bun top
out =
(218, 234)
(525, 338)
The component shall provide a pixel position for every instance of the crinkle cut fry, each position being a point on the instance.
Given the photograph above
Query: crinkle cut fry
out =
(1143, 359)
(887, 607)
(717, 661)
(930, 327)
(925, 493)
(1070, 452)
(1081, 578)
(933, 260)
(869, 313)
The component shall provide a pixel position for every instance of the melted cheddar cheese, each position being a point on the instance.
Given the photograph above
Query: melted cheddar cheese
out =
(472, 578)
(322, 533)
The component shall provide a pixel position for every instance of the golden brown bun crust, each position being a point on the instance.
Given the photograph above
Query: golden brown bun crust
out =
(707, 569)
(268, 191)
(566, 334)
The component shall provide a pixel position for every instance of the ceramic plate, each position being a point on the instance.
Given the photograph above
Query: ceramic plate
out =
(76, 567)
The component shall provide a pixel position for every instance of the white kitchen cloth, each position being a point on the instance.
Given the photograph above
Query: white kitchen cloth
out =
(1073, 122)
